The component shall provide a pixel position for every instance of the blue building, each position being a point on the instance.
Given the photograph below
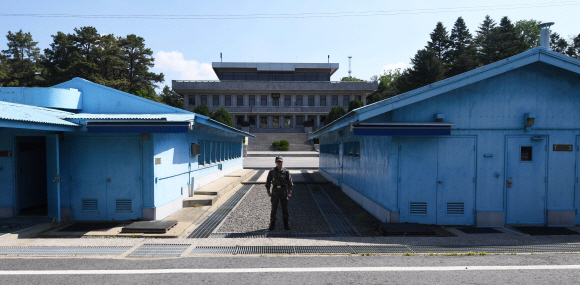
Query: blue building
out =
(493, 146)
(83, 151)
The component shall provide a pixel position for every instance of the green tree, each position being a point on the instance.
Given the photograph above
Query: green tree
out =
(486, 41)
(223, 116)
(439, 42)
(574, 48)
(386, 88)
(558, 44)
(148, 93)
(138, 59)
(335, 113)
(354, 104)
(346, 78)
(21, 63)
(509, 42)
(202, 109)
(427, 69)
(529, 32)
(171, 98)
(463, 54)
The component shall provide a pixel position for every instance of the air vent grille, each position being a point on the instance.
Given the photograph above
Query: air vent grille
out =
(90, 205)
(123, 206)
(455, 208)
(418, 208)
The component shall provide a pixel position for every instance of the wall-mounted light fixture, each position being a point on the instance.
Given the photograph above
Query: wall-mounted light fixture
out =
(529, 120)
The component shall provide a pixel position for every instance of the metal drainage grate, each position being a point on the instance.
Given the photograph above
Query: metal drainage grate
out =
(210, 224)
(270, 235)
(64, 250)
(214, 250)
(380, 248)
(159, 250)
(256, 176)
(324, 249)
(335, 219)
(265, 250)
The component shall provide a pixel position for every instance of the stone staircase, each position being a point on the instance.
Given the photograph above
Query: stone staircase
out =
(263, 142)
(210, 193)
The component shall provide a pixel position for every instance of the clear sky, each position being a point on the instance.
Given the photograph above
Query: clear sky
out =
(384, 34)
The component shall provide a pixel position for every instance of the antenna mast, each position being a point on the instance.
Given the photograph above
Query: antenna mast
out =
(349, 70)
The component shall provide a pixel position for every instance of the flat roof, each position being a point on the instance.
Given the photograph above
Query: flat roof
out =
(274, 66)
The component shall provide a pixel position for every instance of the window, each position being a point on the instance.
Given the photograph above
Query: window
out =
(239, 119)
(334, 100)
(287, 77)
(219, 151)
(322, 119)
(298, 100)
(201, 156)
(252, 100)
(310, 100)
(215, 100)
(322, 100)
(299, 76)
(275, 101)
(264, 100)
(251, 76)
(358, 97)
(252, 120)
(239, 76)
(345, 100)
(191, 99)
(311, 76)
(207, 152)
(204, 99)
(299, 120)
(323, 76)
(227, 76)
(228, 100)
(356, 149)
(526, 153)
(263, 77)
(287, 100)
(240, 100)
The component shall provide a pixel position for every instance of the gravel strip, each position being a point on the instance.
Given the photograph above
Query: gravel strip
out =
(365, 223)
(253, 213)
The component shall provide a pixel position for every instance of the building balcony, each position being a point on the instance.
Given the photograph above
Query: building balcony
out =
(209, 85)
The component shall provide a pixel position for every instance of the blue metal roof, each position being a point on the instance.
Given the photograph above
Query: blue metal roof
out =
(165, 117)
(538, 54)
(26, 113)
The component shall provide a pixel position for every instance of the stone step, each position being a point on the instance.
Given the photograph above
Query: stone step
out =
(284, 154)
(199, 200)
(218, 187)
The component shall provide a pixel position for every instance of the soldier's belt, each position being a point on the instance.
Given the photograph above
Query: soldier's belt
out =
(278, 186)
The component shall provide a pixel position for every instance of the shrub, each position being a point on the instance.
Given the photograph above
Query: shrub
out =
(308, 123)
(278, 148)
(284, 147)
(284, 143)
(245, 124)
(223, 116)
(276, 144)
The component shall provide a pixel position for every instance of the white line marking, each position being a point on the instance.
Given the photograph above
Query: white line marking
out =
(286, 270)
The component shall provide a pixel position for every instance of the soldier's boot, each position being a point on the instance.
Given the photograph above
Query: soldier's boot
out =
(272, 226)
(286, 227)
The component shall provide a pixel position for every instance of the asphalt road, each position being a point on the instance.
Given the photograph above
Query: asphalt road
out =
(491, 269)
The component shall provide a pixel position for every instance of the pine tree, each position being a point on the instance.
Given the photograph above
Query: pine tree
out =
(223, 116)
(138, 59)
(486, 41)
(558, 44)
(427, 69)
(335, 113)
(202, 109)
(21, 63)
(171, 98)
(574, 48)
(463, 55)
(440, 42)
(509, 42)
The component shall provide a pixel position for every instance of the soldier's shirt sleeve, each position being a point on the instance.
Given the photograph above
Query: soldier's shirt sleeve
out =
(269, 181)
(290, 184)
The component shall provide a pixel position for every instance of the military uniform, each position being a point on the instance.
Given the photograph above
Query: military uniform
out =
(281, 182)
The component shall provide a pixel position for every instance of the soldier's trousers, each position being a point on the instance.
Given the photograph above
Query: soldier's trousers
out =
(279, 196)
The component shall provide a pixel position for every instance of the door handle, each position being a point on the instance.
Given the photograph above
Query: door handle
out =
(57, 179)
(108, 179)
(440, 182)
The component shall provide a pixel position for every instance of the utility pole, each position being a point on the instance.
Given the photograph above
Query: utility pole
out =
(349, 70)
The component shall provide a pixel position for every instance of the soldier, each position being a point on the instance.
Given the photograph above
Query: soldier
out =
(281, 182)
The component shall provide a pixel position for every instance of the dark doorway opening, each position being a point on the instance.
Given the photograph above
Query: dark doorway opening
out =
(31, 176)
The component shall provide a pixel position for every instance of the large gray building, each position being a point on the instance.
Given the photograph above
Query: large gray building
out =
(274, 95)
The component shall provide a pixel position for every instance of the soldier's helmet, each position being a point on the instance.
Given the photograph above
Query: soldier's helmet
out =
(279, 158)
